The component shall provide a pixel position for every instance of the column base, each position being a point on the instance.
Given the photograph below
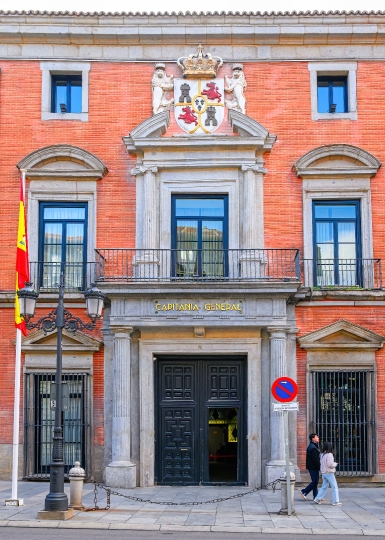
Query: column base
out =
(121, 474)
(275, 468)
(60, 515)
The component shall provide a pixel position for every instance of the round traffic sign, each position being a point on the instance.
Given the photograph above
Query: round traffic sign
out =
(284, 389)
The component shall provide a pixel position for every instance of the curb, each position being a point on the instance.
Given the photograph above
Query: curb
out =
(181, 528)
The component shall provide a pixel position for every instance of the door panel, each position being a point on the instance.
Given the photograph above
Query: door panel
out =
(178, 458)
(200, 432)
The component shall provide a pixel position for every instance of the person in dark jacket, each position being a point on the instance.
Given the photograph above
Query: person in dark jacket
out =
(313, 466)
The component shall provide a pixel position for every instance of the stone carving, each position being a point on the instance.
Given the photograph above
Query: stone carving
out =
(200, 65)
(185, 93)
(236, 85)
(161, 84)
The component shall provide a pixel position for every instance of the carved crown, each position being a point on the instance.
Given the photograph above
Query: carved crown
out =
(200, 65)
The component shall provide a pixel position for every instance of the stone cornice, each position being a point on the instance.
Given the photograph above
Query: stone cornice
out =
(180, 28)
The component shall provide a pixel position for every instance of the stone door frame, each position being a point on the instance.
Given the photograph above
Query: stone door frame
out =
(148, 351)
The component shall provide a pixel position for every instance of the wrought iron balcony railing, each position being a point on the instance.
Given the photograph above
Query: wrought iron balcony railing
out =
(342, 273)
(197, 265)
(45, 276)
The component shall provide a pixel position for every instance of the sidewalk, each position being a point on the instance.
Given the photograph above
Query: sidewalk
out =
(363, 511)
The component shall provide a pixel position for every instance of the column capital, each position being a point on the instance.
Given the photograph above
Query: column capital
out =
(292, 332)
(257, 168)
(122, 332)
(278, 332)
(141, 169)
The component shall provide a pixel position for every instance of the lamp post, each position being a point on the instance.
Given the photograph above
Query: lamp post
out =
(59, 318)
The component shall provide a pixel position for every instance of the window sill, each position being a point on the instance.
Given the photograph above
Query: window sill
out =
(83, 117)
(335, 116)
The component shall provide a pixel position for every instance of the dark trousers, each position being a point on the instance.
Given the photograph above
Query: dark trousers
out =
(313, 486)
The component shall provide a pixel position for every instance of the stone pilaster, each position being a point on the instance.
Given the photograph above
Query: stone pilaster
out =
(121, 472)
(278, 368)
(252, 210)
(147, 253)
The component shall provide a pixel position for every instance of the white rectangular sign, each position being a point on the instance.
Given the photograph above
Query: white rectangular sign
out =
(286, 406)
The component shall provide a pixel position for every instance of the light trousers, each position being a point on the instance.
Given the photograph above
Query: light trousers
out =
(328, 479)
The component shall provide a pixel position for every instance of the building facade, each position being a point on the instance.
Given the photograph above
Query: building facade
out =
(219, 177)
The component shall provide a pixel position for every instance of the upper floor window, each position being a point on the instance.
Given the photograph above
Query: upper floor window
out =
(337, 244)
(62, 243)
(66, 94)
(332, 94)
(199, 235)
(333, 90)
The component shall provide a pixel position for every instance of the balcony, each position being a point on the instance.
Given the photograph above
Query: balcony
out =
(343, 274)
(171, 265)
(77, 276)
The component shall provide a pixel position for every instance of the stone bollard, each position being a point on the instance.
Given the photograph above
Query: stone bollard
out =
(284, 509)
(76, 476)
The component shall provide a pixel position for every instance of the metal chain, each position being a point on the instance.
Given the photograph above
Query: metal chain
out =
(109, 492)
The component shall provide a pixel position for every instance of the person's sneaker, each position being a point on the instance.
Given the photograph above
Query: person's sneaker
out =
(302, 494)
(317, 501)
(337, 504)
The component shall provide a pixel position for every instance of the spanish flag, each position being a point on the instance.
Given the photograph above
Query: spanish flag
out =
(22, 263)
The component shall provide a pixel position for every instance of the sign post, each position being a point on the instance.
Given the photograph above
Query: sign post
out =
(285, 390)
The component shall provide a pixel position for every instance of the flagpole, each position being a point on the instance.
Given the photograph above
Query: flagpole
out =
(14, 501)
(16, 420)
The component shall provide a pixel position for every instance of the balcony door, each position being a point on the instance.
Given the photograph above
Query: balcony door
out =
(199, 236)
(337, 243)
(62, 244)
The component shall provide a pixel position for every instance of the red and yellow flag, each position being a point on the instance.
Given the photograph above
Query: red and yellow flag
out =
(22, 263)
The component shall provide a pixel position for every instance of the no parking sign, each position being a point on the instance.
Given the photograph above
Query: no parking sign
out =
(284, 389)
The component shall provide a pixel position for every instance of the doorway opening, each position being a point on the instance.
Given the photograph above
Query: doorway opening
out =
(223, 444)
(200, 424)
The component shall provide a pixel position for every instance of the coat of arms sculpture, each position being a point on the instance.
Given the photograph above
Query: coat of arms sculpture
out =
(199, 97)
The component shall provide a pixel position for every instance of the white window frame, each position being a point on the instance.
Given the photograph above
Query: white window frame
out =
(348, 69)
(67, 68)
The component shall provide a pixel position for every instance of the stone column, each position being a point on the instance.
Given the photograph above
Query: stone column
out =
(147, 254)
(121, 472)
(252, 259)
(291, 352)
(108, 390)
(278, 368)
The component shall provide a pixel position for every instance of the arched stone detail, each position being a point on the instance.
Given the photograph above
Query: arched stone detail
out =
(63, 161)
(337, 160)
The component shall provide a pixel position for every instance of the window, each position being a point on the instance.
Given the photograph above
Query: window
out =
(40, 420)
(65, 90)
(332, 94)
(62, 244)
(199, 236)
(343, 414)
(66, 94)
(333, 90)
(337, 246)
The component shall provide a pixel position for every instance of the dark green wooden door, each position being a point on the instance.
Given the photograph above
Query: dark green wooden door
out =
(200, 427)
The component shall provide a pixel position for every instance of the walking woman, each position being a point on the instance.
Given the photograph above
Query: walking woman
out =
(328, 469)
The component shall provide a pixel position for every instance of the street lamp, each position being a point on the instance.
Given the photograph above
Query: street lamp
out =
(59, 318)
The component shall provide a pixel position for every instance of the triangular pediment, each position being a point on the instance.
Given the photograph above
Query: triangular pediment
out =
(79, 342)
(342, 334)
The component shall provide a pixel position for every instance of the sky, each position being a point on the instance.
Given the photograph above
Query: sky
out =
(194, 5)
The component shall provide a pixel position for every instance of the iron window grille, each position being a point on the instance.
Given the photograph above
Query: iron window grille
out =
(343, 414)
(39, 423)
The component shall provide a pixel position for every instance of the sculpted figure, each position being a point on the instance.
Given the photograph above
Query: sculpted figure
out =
(236, 86)
(161, 84)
